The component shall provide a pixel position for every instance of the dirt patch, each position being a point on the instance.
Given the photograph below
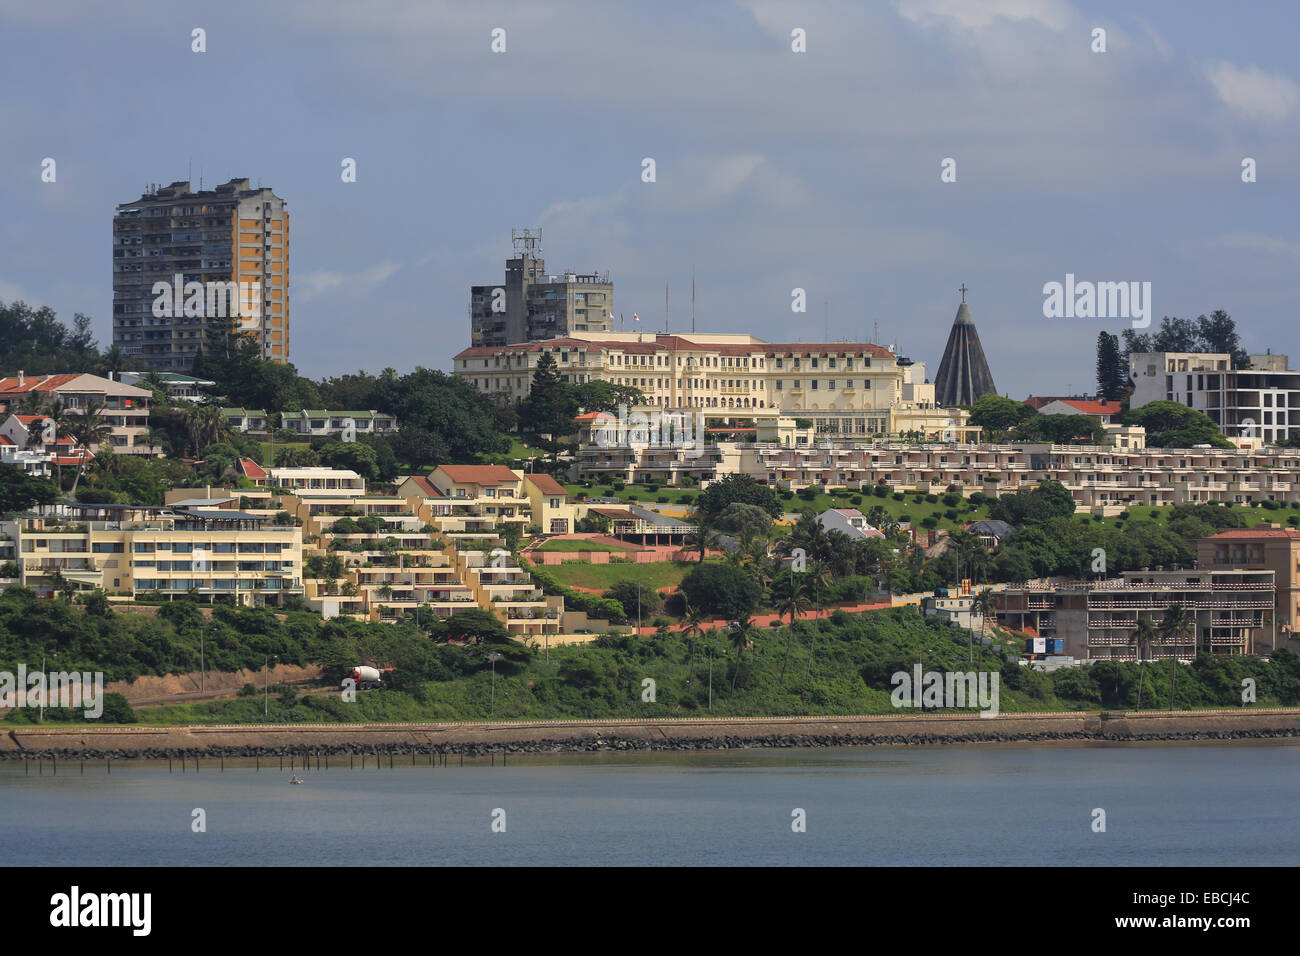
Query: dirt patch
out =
(148, 687)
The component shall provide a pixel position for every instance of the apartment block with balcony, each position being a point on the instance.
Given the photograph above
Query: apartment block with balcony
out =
(318, 423)
(139, 549)
(1273, 549)
(232, 233)
(1256, 405)
(1232, 610)
(468, 501)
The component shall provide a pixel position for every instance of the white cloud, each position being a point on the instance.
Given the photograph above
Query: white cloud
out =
(311, 285)
(1252, 93)
(13, 292)
(1253, 241)
(967, 15)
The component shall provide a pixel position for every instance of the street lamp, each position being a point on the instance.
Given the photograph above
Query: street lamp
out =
(493, 658)
(203, 669)
(266, 683)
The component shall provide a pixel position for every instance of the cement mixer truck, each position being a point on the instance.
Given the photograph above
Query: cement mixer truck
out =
(364, 677)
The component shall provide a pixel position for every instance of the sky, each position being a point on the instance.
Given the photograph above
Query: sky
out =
(775, 170)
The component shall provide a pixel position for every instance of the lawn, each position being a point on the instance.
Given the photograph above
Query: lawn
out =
(518, 450)
(1284, 516)
(657, 574)
(966, 512)
(264, 448)
(575, 544)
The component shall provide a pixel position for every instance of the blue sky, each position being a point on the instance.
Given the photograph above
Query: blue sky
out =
(775, 170)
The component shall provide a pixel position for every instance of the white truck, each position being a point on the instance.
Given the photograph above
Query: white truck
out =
(364, 677)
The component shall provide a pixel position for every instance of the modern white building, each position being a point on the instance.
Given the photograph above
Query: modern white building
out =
(1259, 404)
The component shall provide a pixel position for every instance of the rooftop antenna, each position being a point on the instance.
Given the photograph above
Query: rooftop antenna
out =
(665, 307)
(826, 308)
(692, 300)
(875, 330)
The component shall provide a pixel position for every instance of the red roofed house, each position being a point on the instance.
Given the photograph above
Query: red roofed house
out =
(549, 502)
(472, 498)
(23, 441)
(124, 408)
(1105, 412)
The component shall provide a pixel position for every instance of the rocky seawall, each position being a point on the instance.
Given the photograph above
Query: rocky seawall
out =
(427, 741)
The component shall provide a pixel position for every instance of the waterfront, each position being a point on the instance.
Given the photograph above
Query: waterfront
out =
(1168, 804)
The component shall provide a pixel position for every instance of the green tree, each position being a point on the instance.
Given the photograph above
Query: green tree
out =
(20, 491)
(89, 428)
(793, 603)
(996, 415)
(1143, 637)
(1112, 374)
(1177, 627)
(743, 519)
(741, 636)
(722, 590)
(736, 487)
(1173, 425)
(550, 406)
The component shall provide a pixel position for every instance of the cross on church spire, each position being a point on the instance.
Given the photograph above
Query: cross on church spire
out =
(962, 290)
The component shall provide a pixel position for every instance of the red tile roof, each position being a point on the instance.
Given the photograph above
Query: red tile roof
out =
(32, 383)
(1093, 408)
(251, 468)
(478, 474)
(619, 514)
(1249, 533)
(423, 484)
(663, 342)
(826, 348)
(546, 484)
(6, 440)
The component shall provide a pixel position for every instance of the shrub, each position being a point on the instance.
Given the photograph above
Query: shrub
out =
(880, 491)
(722, 589)
(899, 496)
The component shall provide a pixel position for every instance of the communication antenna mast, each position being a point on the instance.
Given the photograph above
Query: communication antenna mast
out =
(527, 241)
(692, 299)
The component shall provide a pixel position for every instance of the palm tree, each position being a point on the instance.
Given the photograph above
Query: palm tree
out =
(795, 602)
(58, 417)
(740, 639)
(985, 603)
(1178, 625)
(1143, 638)
(192, 419)
(702, 536)
(693, 620)
(818, 575)
(89, 428)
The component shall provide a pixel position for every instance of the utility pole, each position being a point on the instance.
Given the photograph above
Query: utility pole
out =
(266, 683)
(494, 657)
(710, 677)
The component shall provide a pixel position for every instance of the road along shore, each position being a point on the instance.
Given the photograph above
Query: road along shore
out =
(688, 734)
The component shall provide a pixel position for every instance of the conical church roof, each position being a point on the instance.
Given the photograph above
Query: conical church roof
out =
(963, 372)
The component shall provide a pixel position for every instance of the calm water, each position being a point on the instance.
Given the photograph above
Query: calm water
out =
(1165, 805)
